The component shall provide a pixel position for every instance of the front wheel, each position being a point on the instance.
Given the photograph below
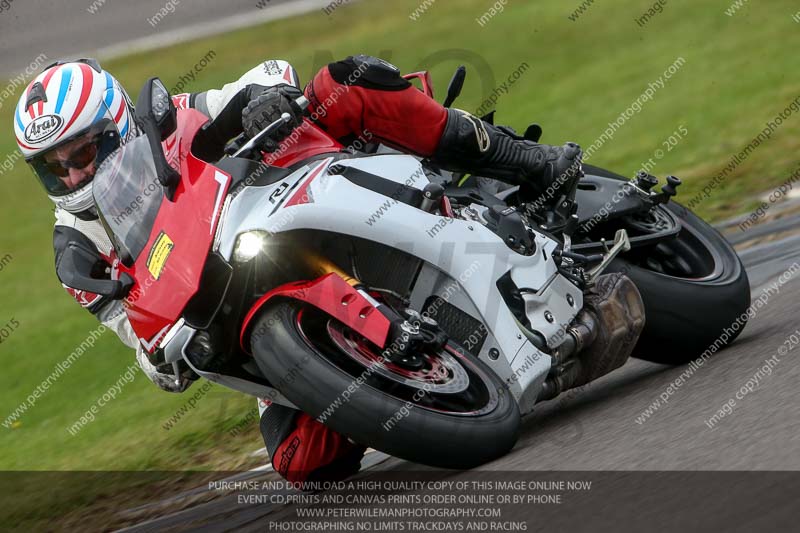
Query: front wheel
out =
(447, 410)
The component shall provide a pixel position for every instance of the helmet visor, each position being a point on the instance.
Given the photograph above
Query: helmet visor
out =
(71, 164)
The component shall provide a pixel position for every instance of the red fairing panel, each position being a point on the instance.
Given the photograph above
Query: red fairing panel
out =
(169, 268)
(302, 196)
(333, 295)
(307, 140)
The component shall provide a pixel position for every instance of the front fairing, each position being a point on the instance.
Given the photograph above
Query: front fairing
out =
(177, 237)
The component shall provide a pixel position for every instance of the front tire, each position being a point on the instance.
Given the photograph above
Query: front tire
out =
(453, 424)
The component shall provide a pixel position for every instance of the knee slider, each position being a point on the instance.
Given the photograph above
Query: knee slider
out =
(277, 423)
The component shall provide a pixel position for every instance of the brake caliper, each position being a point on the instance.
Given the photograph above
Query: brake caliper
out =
(413, 337)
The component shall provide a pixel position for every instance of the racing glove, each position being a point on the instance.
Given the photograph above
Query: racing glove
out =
(267, 108)
(163, 375)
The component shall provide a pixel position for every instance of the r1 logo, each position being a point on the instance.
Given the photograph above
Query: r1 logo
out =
(278, 192)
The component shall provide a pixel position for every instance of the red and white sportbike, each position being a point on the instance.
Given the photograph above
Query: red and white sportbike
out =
(366, 289)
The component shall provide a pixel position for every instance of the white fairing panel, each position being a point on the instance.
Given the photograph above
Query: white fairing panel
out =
(461, 250)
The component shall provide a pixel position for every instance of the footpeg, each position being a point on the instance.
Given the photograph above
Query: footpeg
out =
(621, 244)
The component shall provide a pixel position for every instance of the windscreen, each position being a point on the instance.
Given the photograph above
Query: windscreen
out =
(128, 196)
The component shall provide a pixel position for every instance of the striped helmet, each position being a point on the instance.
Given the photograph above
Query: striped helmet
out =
(71, 116)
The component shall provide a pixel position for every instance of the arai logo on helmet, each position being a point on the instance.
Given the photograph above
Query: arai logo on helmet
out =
(43, 128)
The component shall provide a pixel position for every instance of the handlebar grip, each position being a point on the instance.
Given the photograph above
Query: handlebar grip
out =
(302, 103)
(241, 145)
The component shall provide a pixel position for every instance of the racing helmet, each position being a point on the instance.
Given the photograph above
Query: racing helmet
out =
(71, 116)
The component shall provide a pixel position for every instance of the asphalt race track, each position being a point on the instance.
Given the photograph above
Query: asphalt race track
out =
(67, 29)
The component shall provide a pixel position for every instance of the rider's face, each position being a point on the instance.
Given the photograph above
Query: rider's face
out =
(76, 160)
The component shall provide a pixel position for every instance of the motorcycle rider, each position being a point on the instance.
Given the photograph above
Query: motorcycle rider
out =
(60, 119)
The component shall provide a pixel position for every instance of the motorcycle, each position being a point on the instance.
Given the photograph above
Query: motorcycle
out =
(371, 291)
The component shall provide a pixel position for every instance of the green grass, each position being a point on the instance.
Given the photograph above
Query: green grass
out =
(739, 73)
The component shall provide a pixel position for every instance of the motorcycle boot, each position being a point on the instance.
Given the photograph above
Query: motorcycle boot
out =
(544, 173)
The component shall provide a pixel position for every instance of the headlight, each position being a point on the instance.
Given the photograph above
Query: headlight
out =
(249, 245)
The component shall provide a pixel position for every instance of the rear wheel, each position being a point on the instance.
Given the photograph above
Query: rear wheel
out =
(694, 286)
(447, 409)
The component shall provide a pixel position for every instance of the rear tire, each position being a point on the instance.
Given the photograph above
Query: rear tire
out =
(686, 315)
(313, 372)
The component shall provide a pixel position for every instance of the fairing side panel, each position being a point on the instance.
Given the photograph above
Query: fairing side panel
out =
(454, 247)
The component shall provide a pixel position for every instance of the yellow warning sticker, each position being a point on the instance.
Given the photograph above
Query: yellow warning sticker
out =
(159, 253)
